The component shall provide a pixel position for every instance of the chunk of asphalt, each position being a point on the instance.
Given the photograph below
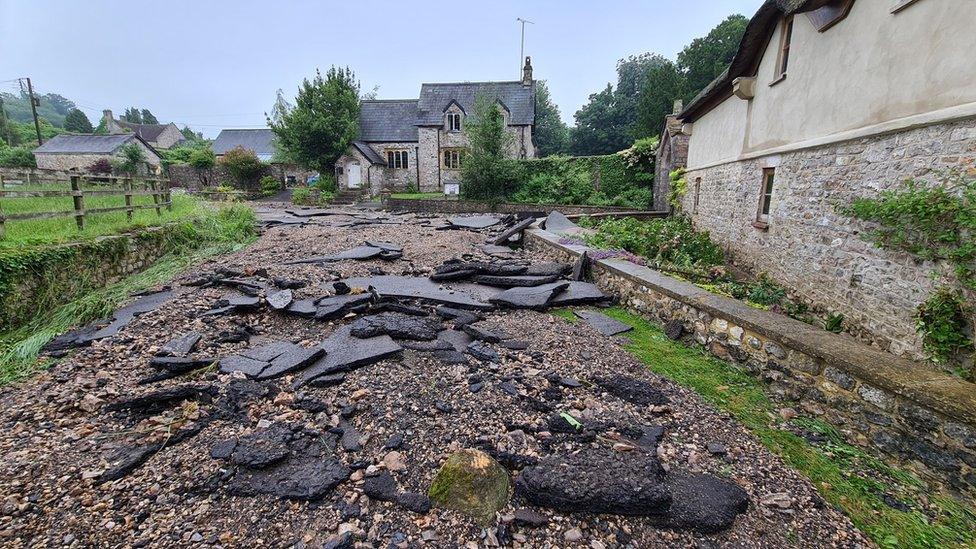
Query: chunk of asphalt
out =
(479, 350)
(536, 298)
(579, 268)
(512, 231)
(302, 307)
(180, 346)
(580, 293)
(169, 367)
(455, 339)
(547, 268)
(290, 361)
(270, 351)
(130, 458)
(603, 323)
(279, 300)
(344, 352)
(517, 281)
(462, 296)
(483, 334)
(398, 326)
(163, 399)
(360, 253)
(338, 306)
(633, 390)
(476, 222)
(388, 246)
(237, 363)
(125, 315)
(559, 223)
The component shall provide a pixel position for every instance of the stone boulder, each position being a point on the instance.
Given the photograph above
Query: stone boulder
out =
(473, 483)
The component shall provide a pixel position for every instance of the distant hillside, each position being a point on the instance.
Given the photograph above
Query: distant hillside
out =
(53, 107)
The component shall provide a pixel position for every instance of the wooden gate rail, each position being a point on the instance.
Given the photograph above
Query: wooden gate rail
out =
(158, 189)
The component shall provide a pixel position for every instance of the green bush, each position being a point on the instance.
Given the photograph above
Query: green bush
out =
(942, 321)
(312, 196)
(301, 195)
(17, 157)
(270, 186)
(670, 242)
(574, 180)
(487, 171)
(243, 165)
(326, 184)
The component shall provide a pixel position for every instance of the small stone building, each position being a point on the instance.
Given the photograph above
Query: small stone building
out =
(420, 143)
(158, 136)
(824, 102)
(79, 152)
(261, 141)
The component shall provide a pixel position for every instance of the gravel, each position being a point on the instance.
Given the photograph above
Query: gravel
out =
(64, 429)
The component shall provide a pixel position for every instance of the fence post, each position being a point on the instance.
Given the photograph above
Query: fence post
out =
(169, 196)
(155, 196)
(79, 201)
(127, 189)
(3, 229)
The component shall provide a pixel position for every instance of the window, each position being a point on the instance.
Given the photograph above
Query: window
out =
(453, 122)
(784, 51)
(765, 198)
(396, 159)
(697, 194)
(452, 158)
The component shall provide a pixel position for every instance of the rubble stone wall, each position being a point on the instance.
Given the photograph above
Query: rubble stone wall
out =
(471, 206)
(920, 416)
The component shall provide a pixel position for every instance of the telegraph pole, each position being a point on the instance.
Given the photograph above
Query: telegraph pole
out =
(522, 50)
(34, 102)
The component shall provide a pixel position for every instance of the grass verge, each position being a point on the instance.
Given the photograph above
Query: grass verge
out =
(891, 505)
(419, 196)
(211, 233)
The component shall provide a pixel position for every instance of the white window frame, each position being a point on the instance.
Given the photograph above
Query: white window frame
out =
(453, 122)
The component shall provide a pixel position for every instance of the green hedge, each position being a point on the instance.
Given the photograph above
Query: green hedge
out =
(605, 180)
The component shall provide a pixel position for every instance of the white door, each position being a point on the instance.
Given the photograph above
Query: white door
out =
(354, 176)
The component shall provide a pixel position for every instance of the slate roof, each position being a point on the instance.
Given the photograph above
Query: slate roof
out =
(261, 141)
(518, 99)
(148, 132)
(747, 57)
(388, 120)
(370, 154)
(87, 144)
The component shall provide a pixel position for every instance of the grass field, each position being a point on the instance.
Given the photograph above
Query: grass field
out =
(50, 231)
(848, 477)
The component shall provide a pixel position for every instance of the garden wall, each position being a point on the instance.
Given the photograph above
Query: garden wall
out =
(472, 206)
(903, 408)
(33, 279)
(188, 177)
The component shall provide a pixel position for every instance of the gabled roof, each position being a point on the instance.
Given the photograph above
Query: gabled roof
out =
(388, 120)
(518, 99)
(367, 151)
(148, 132)
(89, 144)
(261, 141)
(749, 54)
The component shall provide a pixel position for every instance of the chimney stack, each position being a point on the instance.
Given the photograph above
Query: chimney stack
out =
(527, 72)
(679, 105)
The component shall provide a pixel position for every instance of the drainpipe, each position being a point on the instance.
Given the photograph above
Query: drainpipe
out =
(369, 181)
(416, 164)
(439, 183)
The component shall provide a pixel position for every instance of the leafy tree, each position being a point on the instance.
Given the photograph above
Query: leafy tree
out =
(551, 133)
(7, 133)
(488, 172)
(323, 122)
(705, 58)
(148, 118)
(77, 122)
(663, 83)
(598, 129)
(132, 115)
(17, 157)
(203, 161)
(130, 159)
(243, 165)
(190, 136)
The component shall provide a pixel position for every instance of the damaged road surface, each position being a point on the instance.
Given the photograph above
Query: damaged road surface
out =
(370, 379)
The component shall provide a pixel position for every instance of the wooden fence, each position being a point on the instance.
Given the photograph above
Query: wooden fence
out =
(107, 185)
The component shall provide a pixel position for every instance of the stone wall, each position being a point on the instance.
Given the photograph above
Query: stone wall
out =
(64, 272)
(917, 415)
(188, 177)
(471, 206)
(819, 254)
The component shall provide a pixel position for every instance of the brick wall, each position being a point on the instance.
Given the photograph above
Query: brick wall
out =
(819, 254)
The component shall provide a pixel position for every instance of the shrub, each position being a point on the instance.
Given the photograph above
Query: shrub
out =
(100, 166)
(243, 165)
(130, 159)
(670, 242)
(942, 321)
(326, 184)
(17, 157)
(301, 195)
(203, 160)
(270, 186)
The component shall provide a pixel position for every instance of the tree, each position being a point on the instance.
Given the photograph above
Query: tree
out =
(323, 122)
(488, 172)
(597, 129)
(551, 134)
(148, 118)
(129, 160)
(132, 115)
(189, 135)
(77, 122)
(662, 85)
(705, 58)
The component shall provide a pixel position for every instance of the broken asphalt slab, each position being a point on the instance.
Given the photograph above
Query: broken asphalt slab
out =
(603, 323)
(463, 296)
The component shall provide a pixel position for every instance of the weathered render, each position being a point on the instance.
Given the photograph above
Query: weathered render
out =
(422, 130)
(875, 92)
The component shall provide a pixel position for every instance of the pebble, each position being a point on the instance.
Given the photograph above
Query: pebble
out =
(573, 534)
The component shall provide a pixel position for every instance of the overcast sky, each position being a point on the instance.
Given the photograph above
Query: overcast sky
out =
(217, 64)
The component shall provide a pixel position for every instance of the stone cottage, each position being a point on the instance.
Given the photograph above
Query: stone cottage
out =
(159, 136)
(827, 101)
(672, 153)
(420, 143)
(78, 152)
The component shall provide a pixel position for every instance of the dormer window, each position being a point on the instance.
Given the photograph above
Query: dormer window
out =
(453, 122)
